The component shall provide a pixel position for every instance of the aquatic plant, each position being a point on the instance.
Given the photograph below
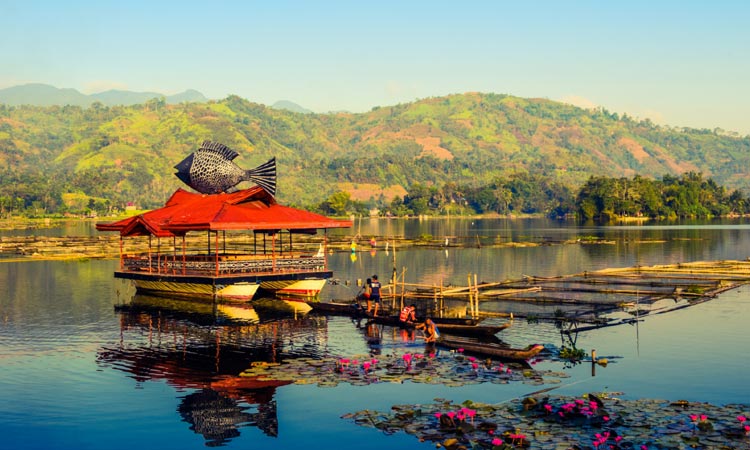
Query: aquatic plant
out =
(590, 421)
(572, 353)
(701, 422)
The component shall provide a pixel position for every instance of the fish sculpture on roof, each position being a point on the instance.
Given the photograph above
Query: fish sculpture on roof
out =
(211, 170)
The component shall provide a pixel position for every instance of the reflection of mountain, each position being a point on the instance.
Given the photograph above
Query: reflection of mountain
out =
(205, 347)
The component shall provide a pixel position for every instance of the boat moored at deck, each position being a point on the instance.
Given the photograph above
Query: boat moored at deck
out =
(248, 247)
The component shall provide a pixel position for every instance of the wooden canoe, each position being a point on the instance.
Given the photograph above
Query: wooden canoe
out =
(452, 326)
(347, 309)
(470, 330)
(446, 328)
(355, 310)
(493, 350)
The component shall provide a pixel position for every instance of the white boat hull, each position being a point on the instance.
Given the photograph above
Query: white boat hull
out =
(302, 289)
(242, 292)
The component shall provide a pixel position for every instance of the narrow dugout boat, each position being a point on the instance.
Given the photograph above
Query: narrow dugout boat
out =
(446, 327)
(453, 326)
(490, 349)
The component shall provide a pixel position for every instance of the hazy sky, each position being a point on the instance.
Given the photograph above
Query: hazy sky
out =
(680, 63)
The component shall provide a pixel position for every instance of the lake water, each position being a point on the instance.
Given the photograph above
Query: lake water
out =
(79, 373)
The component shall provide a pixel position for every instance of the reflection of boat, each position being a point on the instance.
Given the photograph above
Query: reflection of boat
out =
(229, 261)
(238, 312)
(491, 349)
(202, 347)
(201, 312)
(281, 304)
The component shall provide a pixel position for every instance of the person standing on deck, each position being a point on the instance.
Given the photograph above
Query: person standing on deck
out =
(366, 294)
(375, 293)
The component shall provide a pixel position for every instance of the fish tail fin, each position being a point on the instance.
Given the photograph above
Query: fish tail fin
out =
(264, 176)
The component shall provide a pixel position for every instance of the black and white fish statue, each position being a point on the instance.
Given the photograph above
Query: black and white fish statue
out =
(211, 170)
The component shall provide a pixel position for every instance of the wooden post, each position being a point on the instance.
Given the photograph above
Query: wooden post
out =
(216, 257)
(434, 299)
(476, 297)
(394, 277)
(403, 285)
(442, 298)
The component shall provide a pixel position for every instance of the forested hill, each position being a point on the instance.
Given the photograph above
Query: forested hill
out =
(67, 155)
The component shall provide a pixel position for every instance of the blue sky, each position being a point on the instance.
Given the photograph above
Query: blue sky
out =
(679, 63)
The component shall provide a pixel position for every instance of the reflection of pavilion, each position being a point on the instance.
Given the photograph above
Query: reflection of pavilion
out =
(197, 346)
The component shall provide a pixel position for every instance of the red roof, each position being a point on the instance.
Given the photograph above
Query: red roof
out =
(249, 209)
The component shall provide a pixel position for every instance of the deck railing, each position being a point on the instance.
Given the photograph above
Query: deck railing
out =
(211, 265)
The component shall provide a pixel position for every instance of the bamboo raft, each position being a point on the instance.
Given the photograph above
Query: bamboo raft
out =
(635, 290)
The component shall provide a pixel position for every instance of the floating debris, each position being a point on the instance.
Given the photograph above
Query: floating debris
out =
(591, 421)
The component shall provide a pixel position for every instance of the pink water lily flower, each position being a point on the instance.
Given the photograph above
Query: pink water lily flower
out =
(497, 442)
(741, 418)
(470, 413)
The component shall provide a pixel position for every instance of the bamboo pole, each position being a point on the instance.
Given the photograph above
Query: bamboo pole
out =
(476, 298)
(442, 298)
(435, 300)
(403, 286)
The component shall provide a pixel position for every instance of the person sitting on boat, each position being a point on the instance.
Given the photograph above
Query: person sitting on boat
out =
(374, 295)
(430, 330)
(408, 315)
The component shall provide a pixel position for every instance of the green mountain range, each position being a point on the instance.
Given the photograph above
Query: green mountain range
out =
(46, 95)
(115, 155)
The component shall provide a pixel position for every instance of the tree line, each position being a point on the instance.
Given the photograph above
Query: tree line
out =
(600, 199)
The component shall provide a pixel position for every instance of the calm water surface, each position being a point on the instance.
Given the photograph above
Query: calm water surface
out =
(77, 373)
